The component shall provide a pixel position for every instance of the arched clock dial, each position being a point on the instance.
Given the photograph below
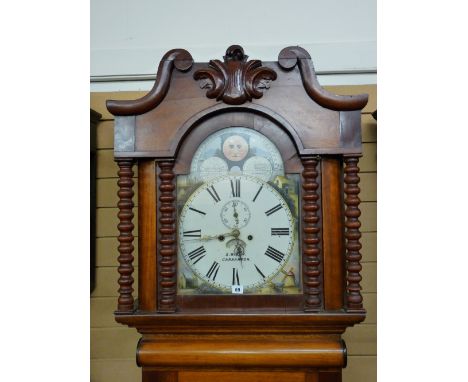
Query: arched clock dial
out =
(236, 230)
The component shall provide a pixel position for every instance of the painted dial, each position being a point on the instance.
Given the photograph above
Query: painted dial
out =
(259, 167)
(251, 247)
(236, 150)
(213, 167)
(235, 214)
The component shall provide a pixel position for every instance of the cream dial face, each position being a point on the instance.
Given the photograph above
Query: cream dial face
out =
(213, 167)
(236, 231)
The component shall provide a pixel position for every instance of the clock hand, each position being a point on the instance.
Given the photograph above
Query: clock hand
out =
(236, 215)
(239, 247)
(234, 233)
(239, 251)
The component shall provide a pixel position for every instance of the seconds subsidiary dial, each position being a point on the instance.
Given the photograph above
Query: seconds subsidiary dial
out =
(236, 231)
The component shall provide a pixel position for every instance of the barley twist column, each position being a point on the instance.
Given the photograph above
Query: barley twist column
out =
(352, 234)
(167, 239)
(311, 237)
(125, 226)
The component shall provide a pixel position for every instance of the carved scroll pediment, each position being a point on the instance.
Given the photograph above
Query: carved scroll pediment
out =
(235, 80)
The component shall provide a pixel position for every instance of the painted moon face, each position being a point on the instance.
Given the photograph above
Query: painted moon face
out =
(235, 148)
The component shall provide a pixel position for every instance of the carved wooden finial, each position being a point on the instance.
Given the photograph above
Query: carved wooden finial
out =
(235, 53)
(235, 80)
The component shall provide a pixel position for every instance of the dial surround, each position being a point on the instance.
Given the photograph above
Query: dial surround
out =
(248, 253)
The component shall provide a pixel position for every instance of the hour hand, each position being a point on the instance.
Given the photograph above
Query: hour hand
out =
(236, 215)
(220, 236)
(203, 238)
(212, 237)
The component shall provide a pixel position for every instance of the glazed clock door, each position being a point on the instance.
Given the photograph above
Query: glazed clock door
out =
(238, 218)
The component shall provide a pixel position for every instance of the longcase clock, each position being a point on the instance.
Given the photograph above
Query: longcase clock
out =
(248, 220)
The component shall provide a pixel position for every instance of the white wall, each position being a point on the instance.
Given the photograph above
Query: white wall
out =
(128, 38)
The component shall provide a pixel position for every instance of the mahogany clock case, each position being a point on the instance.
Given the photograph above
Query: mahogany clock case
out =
(318, 136)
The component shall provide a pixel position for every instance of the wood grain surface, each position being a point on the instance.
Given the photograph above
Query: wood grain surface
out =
(248, 376)
(109, 364)
(147, 284)
(333, 247)
(240, 351)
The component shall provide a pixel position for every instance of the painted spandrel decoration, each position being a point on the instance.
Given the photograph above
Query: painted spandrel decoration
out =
(238, 218)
